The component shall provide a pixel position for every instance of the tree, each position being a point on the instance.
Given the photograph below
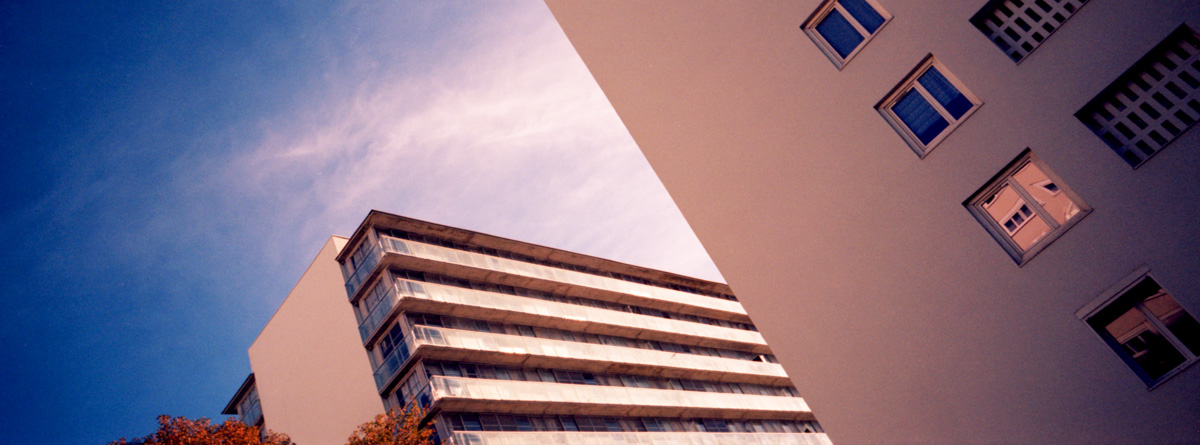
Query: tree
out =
(396, 427)
(184, 431)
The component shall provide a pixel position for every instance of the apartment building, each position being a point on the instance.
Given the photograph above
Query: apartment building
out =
(955, 221)
(508, 342)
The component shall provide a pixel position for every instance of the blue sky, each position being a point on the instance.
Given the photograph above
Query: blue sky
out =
(170, 169)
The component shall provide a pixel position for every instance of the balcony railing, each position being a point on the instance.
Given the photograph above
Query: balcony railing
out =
(637, 323)
(394, 292)
(559, 349)
(364, 269)
(618, 397)
(460, 257)
(396, 359)
(640, 438)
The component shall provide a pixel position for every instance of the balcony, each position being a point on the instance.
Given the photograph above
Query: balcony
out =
(709, 306)
(360, 275)
(453, 344)
(508, 396)
(389, 368)
(472, 303)
(640, 438)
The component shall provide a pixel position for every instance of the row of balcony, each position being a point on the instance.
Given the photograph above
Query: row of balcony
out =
(472, 303)
(491, 263)
(453, 344)
(640, 438)
(511, 396)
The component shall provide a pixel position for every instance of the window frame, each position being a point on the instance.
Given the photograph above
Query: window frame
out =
(810, 28)
(910, 83)
(975, 205)
(1113, 295)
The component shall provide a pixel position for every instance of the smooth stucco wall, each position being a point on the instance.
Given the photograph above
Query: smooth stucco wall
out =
(899, 318)
(313, 377)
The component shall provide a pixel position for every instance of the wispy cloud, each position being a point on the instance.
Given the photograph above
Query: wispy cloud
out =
(510, 137)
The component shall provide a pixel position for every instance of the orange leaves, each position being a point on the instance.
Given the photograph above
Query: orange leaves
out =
(396, 427)
(184, 431)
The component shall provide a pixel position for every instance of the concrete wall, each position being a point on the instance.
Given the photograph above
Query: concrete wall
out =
(899, 317)
(314, 380)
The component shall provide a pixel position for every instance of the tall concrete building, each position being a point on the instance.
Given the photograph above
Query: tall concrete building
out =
(507, 342)
(955, 221)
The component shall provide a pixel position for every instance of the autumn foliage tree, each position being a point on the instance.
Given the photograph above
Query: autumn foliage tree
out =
(396, 427)
(184, 431)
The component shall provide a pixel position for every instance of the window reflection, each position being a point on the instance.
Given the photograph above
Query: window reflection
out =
(1015, 215)
(1025, 208)
(1144, 343)
(1150, 328)
(1046, 193)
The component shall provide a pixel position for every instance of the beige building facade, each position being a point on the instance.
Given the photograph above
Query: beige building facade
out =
(507, 342)
(954, 221)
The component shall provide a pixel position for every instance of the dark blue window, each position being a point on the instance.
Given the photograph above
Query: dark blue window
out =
(951, 99)
(919, 116)
(839, 33)
(866, 16)
(471, 422)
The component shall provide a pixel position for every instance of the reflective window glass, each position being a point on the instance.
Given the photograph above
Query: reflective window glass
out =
(1150, 329)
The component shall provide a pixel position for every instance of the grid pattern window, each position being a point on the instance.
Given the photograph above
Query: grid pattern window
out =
(1018, 27)
(841, 28)
(1026, 207)
(1148, 329)
(1152, 103)
(928, 105)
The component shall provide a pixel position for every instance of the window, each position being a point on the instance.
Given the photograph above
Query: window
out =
(1026, 207)
(1146, 327)
(841, 28)
(1152, 103)
(928, 105)
(1018, 27)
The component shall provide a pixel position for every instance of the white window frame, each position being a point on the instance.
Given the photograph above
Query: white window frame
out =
(1013, 213)
(1114, 293)
(884, 107)
(977, 205)
(810, 28)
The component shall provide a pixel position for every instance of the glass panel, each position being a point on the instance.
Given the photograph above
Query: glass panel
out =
(1177, 320)
(607, 398)
(1012, 213)
(641, 438)
(471, 422)
(920, 117)
(945, 93)
(1144, 344)
(488, 299)
(1048, 194)
(867, 16)
(610, 284)
(585, 351)
(839, 33)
